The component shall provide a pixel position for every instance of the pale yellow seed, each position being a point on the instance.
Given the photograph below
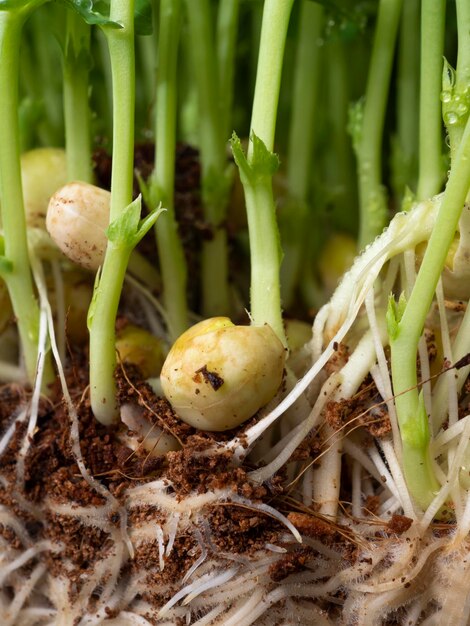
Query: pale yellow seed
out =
(218, 375)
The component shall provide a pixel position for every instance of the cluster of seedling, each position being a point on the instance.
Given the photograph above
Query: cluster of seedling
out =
(403, 299)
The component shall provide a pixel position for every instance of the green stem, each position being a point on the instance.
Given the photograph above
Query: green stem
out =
(430, 109)
(265, 257)
(300, 146)
(413, 424)
(18, 280)
(227, 26)
(338, 157)
(215, 186)
(76, 107)
(46, 58)
(105, 86)
(106, 300)
(276, 15)
(304, 100)
(456, 97)
(373, 206)
(170, 249)
(405, 161)
(462, 79)
(261, 212)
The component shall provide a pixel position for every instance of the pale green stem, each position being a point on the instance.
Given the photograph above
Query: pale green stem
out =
(46, 59)
(304, 99)
(106, 300)
(276, 15)
(76, 106)
(373, 205)
(463, 58)
(430, 110)
(18, 280)
(300, 147)
(227, 25)
(413, 427)
(262, 225)
(170, 249)
(406, 156)
(214, 260)
(339, 165)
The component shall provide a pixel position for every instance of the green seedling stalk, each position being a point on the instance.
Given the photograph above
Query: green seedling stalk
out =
(109, 284)
(405, 146)
(161, 187)
(293, 224)
(226, 38)
(46, 56)
(18, 278)
(409, 325)
(215, 181)
(76, 71)
(104, 90)
(257, 170)
(372, 199)
(430, 110)
(339, 172)
(456, 85)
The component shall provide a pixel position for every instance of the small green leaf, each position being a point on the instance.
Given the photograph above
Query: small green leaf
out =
(409, 199)
(401, 306)
(123, 229)
(263, 162)
(395, 311)
(88, 10)
(240, 159)
(146, 224)
(415, 430)
(448, 77)
(128, 229)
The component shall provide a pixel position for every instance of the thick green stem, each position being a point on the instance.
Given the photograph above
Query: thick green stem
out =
(276, 15)
(106, 300)
(412, 421)
(18, 280)
(430, 110)
(373, 205)
(265, 257)
(262, 225)
(170, 249)
(215, 186)
(76, 107)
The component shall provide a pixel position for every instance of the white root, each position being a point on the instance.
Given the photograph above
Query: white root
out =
(391, 573)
